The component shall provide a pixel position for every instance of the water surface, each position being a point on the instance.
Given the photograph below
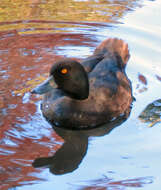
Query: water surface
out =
(120, 156)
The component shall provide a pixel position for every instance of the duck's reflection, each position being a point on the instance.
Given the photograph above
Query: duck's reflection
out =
(75, 146)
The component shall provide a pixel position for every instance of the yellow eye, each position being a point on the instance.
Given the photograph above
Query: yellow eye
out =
(64, 71)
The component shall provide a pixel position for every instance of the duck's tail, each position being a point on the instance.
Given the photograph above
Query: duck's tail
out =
(117, 48)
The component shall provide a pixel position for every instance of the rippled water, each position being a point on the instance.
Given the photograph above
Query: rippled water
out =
(120, 156)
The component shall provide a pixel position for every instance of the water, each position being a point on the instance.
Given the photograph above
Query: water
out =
(33, 35)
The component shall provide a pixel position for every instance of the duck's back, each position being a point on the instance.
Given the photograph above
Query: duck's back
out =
(110, 90)
(115, 48)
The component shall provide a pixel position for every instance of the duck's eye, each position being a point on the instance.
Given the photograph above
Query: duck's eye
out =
(64, 71)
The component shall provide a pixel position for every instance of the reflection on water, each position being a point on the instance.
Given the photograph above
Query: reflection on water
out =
(75, 146)
(107, 183)
(71, 10)
(152, 113)
(35, 33)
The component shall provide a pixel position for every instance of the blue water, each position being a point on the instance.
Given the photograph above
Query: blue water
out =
(129, 157)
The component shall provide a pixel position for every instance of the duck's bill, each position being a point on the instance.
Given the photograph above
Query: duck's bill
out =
(45, 87)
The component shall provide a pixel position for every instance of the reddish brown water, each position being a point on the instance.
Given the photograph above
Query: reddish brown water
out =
(33, 35)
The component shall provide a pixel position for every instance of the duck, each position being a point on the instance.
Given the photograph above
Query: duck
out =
(88, 93)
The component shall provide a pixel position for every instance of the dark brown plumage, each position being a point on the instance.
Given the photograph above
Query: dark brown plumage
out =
(92, 92)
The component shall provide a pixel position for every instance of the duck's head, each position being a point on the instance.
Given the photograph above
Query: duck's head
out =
(69, 76)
